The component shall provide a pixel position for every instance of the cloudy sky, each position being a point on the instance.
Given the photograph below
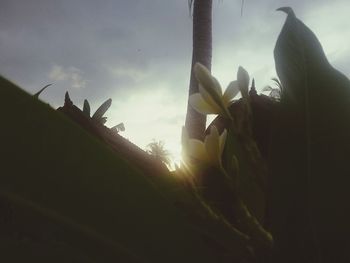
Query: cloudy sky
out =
(138, 52)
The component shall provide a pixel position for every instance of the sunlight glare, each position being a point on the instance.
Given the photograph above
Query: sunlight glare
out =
(151, 116)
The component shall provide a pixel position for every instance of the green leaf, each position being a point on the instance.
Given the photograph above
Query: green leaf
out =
(86, 108)
(266, 88)
(102, 110)
(310, 148)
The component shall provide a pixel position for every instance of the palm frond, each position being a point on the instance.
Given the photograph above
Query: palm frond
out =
(266, 88)
(157, 150)
(277, 81)
(278, 84)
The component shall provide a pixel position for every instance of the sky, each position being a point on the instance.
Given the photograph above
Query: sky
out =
(138, 53)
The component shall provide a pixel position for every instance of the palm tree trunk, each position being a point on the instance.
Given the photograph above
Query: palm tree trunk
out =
(202, 53)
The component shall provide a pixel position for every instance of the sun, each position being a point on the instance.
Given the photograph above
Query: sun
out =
(150, 116)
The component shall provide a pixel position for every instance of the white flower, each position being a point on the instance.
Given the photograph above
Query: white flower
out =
(210, 99)
(209, 152)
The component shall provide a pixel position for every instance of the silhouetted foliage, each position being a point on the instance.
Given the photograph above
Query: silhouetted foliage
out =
(283, 168)
(158, 151)
(98, 115)
(274, 92)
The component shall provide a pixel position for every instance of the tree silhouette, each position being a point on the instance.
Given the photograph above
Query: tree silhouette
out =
(157, 150)
(201, 52)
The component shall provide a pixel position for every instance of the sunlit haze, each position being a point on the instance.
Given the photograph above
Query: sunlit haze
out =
(139, 53)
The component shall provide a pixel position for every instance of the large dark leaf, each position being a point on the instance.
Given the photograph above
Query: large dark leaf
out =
(310, 148)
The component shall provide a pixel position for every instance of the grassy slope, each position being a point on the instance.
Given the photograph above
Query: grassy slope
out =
(52, 167)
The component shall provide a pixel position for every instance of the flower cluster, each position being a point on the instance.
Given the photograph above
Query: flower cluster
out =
(204, 153)
(211, 99)
(198, 156)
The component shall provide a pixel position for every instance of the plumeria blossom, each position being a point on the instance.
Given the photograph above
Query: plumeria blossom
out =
(210, 99)
(198, 153)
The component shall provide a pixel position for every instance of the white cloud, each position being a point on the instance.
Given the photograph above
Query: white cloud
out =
(128, 72)
(145, 57)
(72, 75)
(57, 73)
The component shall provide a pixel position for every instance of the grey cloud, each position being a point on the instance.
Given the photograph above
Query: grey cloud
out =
(72, 75)
(90, 36)
(123, 47)
(139, 53)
